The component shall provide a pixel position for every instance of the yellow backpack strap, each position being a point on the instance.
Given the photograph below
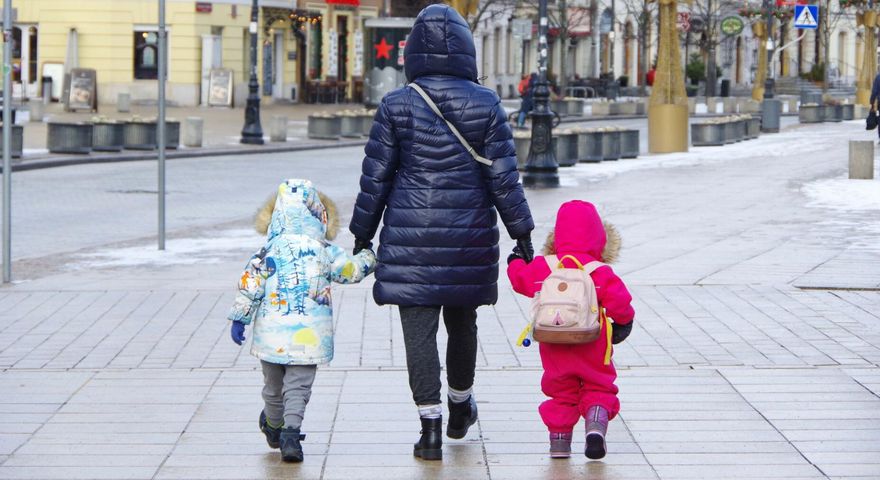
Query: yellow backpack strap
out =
(608, 332)
(570, 257)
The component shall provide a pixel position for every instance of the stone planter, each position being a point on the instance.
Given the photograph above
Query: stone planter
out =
(641, 107)
(522, 143)
(629, 143)
(574, 106)
(69, 137)
(729, 105)
(742, 129)
(108, 136)
(707, 134)
(566, 144)
(730, 132)
(366, 121)
(848, 111)
(753, 128)
(833, 113)
(559, 106)
(810, 114)
(601, 108)
(324, 127)
(611, 145)
(350, 126)
(17, 148)
(140, 135)
(590, 146)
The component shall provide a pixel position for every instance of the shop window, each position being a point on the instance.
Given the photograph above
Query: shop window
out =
(146, 55)
(314, 46)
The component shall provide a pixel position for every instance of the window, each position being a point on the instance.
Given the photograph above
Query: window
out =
(146, 55)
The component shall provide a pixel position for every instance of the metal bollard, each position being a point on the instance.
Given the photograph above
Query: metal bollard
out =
(861, 160)
(278, 129)
(123, 102)
(192, 132)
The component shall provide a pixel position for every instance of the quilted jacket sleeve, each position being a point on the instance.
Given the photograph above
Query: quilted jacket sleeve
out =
(502, 179)
(378, 170)
(348, 268)
(251, 289)
(614, 296)
(526, 278)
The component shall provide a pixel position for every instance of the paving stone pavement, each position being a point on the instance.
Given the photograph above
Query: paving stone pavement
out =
(125, 370)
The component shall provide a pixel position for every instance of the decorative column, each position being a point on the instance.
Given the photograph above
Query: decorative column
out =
(868, 68)
(759, 30)
(541, 168)
(668, 106)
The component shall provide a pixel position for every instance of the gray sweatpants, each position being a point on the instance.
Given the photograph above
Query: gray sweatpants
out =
(286, 391)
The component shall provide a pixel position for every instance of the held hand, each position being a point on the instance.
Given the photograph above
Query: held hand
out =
(361, 244)
(237, 332)
(620, 331)
(513, 256)
(524, 248)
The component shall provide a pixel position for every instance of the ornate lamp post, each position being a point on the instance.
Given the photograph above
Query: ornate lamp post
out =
(769, 83)
(541, 167)
(252, 132)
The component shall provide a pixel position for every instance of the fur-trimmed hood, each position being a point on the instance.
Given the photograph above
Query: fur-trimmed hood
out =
(580, 230)
(294, 194)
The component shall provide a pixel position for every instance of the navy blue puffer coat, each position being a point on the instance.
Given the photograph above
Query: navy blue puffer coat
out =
(439, 243)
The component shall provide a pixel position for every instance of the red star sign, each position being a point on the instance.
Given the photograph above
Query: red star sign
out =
(383, 49)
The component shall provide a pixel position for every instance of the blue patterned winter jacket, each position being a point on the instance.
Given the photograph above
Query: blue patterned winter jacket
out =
(285, 288)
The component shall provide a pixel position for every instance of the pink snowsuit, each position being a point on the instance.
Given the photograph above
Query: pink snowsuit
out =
(575, 377)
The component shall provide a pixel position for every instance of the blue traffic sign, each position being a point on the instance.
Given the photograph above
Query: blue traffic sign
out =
(806, 16)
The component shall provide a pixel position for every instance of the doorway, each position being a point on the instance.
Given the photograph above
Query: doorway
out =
(24, 61)
(278, 70)
(212, 57)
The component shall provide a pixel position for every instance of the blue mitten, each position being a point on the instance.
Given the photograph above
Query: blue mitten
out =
(237, 332)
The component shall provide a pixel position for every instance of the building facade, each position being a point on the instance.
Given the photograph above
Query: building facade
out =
(300, 43)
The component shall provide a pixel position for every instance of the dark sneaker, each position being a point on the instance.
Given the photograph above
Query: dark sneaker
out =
(430, 445)
(560, 445)
(461, 417)
(291, 449)
(273, 435)
(597, 427)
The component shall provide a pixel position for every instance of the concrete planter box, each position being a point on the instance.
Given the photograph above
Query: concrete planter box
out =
(848, 111)
(69, 137)
(753, 128)
(747, 105)
(641, 107)
(590, 146)
(729, 104)
(611, 145)
(707, 134)
(742, 128)
(17, 147)
(559, 107)
(565, 145)
(574, 106)
(522, 150)
(108, 136)
(142, 135)
(601, 108)
(810, 114)
(324, 128)
(730, 132)
(350, 126)
(833, 113)
(366, 121)
(629, 144)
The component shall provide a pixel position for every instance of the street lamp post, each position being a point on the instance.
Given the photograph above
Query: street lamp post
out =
(541, 168)
(769, 84)
(252, 132)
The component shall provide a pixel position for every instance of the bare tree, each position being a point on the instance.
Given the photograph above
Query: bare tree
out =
(828, 19)
(644, 13)
(709, 13)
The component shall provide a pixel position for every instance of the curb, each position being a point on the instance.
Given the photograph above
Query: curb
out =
(174, 154)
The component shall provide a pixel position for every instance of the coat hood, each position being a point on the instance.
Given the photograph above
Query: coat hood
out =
(580, 230)
(297, 207)
(440, 43)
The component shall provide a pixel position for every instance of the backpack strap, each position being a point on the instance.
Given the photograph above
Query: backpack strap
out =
(556, 263)
(467, 146)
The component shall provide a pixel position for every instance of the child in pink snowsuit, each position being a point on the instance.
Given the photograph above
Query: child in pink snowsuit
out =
(576, 376)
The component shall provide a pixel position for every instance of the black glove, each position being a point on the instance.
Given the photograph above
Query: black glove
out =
(361, 244)
(524, 249)
(620, 331)
(513, 256)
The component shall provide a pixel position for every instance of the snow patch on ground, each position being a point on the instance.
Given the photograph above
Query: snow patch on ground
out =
(843, 194)
(178, 251)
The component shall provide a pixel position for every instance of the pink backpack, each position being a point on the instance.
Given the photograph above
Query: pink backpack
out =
(567, 310)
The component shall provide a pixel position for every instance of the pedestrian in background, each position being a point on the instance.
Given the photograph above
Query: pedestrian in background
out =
(875, 97)
(579, 377)
(285, 293)
(438, 166)
(527, 94)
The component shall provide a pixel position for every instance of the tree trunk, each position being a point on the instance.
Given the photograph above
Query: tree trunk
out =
(711, 79)
(594, 38)
(563, 46)
(826, 37)
(643, 48)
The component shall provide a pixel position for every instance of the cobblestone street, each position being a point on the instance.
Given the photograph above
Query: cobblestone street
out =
(756, 352)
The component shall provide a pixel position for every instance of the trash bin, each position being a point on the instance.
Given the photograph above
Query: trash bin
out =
(725, 87)
(46, 86)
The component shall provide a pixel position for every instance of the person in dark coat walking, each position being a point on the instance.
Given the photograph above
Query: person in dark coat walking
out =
(438, 247)
(875, 96)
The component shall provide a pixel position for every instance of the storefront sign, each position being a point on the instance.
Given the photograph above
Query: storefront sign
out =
(333, 54)
(732, 25)
(220, 88)
(204, 7)
(83, 90)
(353, 3)
(400, 46)
(358, 67)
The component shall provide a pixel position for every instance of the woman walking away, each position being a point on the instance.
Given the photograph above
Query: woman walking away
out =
(439, 162)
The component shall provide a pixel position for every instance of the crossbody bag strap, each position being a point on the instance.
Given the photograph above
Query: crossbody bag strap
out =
(464, 143)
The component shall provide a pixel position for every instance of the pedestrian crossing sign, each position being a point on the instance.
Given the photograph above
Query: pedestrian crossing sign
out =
(806, 16)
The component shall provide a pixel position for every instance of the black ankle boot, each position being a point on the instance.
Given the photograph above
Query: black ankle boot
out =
(291, 449)
(430, 445)
(461, 417)
(273, 435)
